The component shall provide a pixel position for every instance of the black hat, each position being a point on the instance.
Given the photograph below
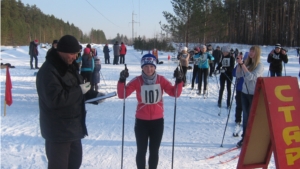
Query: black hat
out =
(55, 41)
(68, 44)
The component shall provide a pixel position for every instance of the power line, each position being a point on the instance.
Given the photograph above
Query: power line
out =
(102, 14)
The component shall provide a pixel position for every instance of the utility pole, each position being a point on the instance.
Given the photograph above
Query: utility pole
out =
(133, 22)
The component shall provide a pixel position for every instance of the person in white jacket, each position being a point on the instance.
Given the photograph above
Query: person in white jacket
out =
(250, 71)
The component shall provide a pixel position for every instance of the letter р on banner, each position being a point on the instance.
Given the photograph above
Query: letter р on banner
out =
(273, 125)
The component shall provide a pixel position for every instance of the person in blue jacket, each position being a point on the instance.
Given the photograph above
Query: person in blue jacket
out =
(88, 65)
(203, 65)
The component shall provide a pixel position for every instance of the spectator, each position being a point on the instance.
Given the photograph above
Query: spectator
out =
(79, 57)
(61, 97)
(217, 54)
(155, 53)
(116, 49)
(275, 59)
(33, 53)
(87, 66)
(96, 73)
(54, 45)
(106, 54)
(123, 51)
(184, 58)
(250, 71)
(298, 52)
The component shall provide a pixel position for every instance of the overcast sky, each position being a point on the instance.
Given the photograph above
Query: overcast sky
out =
(111, 16)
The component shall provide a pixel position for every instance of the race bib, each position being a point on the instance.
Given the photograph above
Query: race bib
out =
(151, 94)
(226, 62)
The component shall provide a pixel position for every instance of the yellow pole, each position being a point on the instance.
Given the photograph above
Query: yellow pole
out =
(4, 107)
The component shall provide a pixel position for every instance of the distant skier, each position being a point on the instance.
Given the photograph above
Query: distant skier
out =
(225, 67)
(275, 58)
(149, 122)
(203, 69)
(195, 68)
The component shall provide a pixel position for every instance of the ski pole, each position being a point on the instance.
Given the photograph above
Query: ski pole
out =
(174, 124)
(229, 111)
(284, 69)
(123, 120)
(103, 78)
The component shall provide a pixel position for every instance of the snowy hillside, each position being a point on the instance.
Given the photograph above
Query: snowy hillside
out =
(199, 129)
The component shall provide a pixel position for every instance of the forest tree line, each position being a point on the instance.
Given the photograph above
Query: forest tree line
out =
(261, 22)
(21, 24)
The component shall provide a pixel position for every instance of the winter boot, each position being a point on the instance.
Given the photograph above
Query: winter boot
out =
(199, 92)
(240, 143)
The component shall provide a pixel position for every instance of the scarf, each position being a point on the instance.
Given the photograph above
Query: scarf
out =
(149, 80)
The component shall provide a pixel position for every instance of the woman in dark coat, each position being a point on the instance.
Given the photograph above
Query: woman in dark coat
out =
(106, 54)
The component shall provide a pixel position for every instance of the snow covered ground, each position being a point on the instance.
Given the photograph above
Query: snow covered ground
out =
(199, 129)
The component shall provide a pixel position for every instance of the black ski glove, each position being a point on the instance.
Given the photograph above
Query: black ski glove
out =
(123, 75)
(179, 76)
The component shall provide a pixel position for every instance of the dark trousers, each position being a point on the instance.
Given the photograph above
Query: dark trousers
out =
(36, 61)
(195, 72)
(202, 73)
(145, 130)
(64, 155)
(116, 59)
(122, 59)
(277, 73)
(184, 70)
(86, 75)
(211, 68)
(246, 104)
(238, 108)
(107, 61)
(228, 79)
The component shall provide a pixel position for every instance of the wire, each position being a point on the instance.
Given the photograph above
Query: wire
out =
(102, 14)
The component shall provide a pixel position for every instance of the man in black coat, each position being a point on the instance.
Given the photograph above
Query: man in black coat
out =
(217, 54)
(33, 53)
(62, 105)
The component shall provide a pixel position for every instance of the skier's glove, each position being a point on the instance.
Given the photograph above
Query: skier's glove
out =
(123, 75)
(179, 76)
(85, 87)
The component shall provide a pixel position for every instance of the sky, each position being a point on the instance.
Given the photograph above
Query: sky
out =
(111, 16)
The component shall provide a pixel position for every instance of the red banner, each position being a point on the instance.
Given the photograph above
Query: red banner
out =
(8, 87)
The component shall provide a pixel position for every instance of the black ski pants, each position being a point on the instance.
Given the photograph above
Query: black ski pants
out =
(238, 108)
(184, 70)
(202, 73)
(145, 130)
(228, 79)
(195, 72)
(122, 59)
(64, 155)
(211, 68)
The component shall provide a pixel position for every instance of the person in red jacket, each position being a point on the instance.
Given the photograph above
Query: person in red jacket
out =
(123, 51)
(149, 123)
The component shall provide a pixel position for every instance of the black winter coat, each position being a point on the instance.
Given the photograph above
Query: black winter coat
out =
(106, 51)
(276, 60)
(227, 63)
(61, 102)
(217, 54)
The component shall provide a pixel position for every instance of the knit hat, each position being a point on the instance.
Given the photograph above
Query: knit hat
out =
(197, 49)
(86, 50)
(68, 44)
(184, 49)
(277, 46)
(36, 41)
(226, 49)
(202, 47)
(55, 41)
(148, 59)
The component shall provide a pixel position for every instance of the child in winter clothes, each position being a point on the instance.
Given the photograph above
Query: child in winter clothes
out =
(149, 123)
(184, 58)
(87, 66)
(275, 59)
(250, 71)
(203, 68)
(225, 67)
